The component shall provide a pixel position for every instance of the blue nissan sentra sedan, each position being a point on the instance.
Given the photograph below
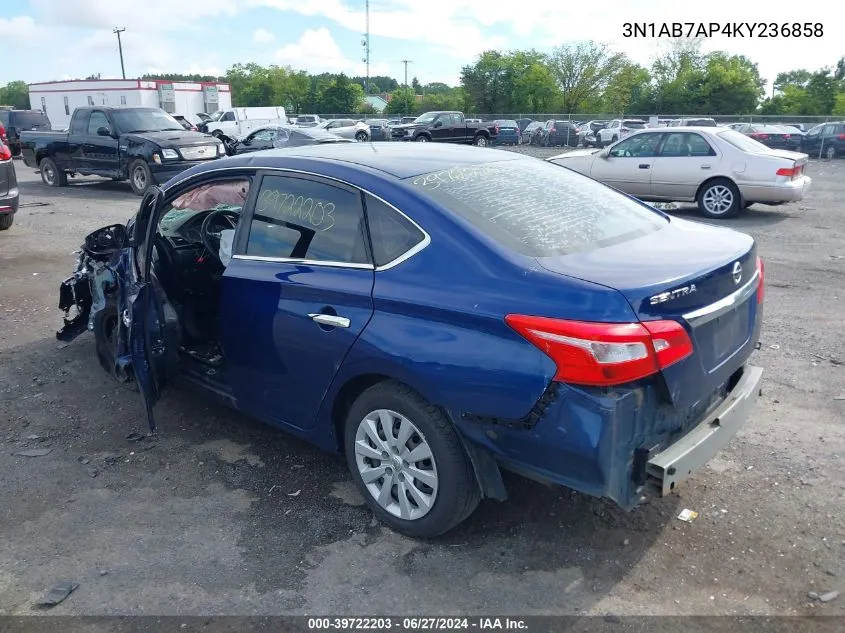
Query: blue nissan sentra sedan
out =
(436, 314)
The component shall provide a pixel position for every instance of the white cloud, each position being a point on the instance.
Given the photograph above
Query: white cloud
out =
(316, 51)
(437, 22)
(20, 28)
(262, 36)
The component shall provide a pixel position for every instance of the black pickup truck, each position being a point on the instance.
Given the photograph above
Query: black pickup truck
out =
(446, 127)
(144, 145)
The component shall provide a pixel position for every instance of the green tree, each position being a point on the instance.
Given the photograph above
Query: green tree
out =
(402, 101)
(679, 73)
(628, 91)
(437, 88)
(731, 85)
(839, 106)
(799, 78)
(415, 84)
(821, 93)
(16, 94)
(341, 96)
(583, 70)
(488, 82)
(535, 89)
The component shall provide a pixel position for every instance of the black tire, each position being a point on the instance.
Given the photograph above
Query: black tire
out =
(481, 141)
(830, 152)
(140, 176)
(51, 175)
(6, 221)
(715, 190)
(599, 144)
(422, 138)
(614, 139)
(361, 137)
(105, 333)
(458, 494)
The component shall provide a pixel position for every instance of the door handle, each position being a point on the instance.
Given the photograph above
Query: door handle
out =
(645, 166)
(705, 166)
(332, 320)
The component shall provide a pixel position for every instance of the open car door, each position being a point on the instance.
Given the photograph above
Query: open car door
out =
(150, 319)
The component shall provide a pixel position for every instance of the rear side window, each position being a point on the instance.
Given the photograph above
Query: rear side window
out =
(391, 233)
(634, 125)
(538, 208)
(306, 219)
(27, 120)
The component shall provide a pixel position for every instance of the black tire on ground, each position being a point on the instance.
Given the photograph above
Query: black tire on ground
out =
(140, 176)
(481, 141)
(105, 331)
(457, 494)
(614, 139)
(599, 144)
(361, 137)
(830, 152)
(6, 221)
(719, 199)
(51, 175)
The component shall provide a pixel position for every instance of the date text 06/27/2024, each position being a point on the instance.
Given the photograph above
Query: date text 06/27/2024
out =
(727, 29)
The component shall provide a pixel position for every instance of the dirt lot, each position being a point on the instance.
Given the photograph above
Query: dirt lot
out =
(218, 514)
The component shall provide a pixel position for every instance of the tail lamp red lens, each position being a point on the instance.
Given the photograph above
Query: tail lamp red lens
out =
(793, 172)
(604, 354)
(5, 152)
(759, 136)
(761, 270)
(3, 138)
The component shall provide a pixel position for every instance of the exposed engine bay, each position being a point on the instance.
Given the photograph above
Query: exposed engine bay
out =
(192, 246)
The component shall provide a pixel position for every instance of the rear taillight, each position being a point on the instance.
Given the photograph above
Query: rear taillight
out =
(793, 172)
(2, 134)
(761, 270)
(5, 152)
(758, 136)
(841, 137)
(603, 354)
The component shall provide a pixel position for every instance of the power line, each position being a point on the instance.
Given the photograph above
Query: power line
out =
(118, 31)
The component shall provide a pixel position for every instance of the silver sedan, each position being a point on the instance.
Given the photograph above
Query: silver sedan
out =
(347, 128)
(722, 170)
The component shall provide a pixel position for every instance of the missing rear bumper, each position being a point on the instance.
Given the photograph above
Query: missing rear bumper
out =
(670, 467)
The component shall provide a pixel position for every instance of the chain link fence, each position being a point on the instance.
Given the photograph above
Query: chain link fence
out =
(534, 116)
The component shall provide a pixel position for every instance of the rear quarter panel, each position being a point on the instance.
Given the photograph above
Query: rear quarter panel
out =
(439, 323)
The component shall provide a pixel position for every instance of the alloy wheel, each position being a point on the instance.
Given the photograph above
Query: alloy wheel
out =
(139, 178)
(718, 199)
(396, 464)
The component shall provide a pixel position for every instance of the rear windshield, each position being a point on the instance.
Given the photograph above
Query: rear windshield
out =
(743, 142)
(29, 119)
(701, 122)
(634, 125)
(537, 208)
(506, 123)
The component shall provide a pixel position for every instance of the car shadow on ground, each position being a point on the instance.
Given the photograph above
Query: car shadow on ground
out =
(755, 216)
(304, 529)
(78, 187)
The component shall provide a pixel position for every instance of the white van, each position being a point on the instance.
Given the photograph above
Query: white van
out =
(238, 122)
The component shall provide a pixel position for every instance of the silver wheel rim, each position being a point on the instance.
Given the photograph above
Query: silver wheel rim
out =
(361, 137)
(422, 139)
(139, 178)
(396, 464)
(831, 152)
(481, 142)
(718, 200)
(49, 174)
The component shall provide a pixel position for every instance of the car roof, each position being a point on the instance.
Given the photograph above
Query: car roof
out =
(400, 160)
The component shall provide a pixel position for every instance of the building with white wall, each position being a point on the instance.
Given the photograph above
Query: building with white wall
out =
(58, 99)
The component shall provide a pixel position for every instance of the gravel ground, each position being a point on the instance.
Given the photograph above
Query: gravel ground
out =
(218, 514)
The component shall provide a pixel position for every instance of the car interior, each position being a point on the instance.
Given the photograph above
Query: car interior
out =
(193, 246)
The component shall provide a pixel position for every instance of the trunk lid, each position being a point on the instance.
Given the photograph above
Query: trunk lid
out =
(691, 273)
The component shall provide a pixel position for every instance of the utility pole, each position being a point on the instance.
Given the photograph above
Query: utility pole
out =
(407, 106)
(117, 32)
(366, 44)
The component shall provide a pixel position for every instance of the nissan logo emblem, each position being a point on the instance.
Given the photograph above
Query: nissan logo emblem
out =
(737, 272)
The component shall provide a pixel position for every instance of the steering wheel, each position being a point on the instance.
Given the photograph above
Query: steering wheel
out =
(212, 226)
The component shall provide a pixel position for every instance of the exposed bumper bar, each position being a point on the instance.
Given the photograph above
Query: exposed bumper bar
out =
(677, 462)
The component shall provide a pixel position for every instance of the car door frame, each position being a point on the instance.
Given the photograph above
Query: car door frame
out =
(239, 253)
(633, 179)
(693, 169)
(101, 152)
(444, 132)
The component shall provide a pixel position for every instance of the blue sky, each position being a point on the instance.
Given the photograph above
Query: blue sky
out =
(60, 39)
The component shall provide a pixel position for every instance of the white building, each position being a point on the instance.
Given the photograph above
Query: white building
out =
(57, 99)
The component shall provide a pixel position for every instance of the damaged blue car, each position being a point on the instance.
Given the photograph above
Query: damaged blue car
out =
(437, 314)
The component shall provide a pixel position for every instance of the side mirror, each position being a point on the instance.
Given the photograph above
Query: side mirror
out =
(605, 153)
(438, 124)
(103, 131)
